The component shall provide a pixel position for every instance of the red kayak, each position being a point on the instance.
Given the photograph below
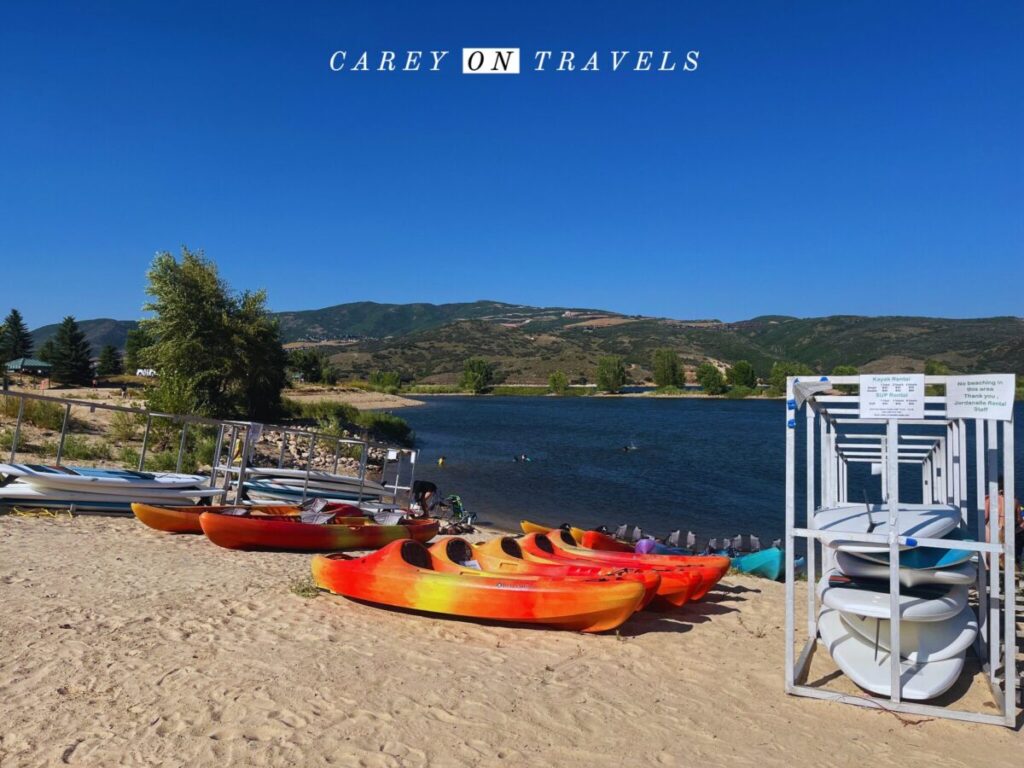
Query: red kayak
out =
(678, 585)
(186, 519)
(604, 542)
(710, 567)
(290, 533)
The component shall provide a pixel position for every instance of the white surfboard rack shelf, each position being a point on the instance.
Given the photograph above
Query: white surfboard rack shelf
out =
(888, 429)
(234, 443)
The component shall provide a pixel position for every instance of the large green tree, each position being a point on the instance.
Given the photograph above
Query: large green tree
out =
(710, 379)
(216, 353)
(135, 345)
(611, 373)
(477, 375)
(15, 340)
(70, 354)
(741, 374)
(667, 371)
(780, 371)
(109, 363)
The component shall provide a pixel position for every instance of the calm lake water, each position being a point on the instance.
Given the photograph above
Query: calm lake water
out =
(711, 466)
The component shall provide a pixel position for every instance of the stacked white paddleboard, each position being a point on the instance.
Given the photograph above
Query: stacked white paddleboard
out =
(87, 488)
(273, 484)
(937, 625)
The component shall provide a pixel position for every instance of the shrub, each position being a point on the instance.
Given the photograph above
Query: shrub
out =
(124, 426)
(386, 426)
(78, 448)
(38, 413)
(739, 393)
(385, 381)
(558, 383)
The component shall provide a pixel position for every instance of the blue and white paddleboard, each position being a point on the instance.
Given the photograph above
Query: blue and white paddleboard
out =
(926, 521)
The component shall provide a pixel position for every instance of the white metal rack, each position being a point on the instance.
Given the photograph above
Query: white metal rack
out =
(836, 438)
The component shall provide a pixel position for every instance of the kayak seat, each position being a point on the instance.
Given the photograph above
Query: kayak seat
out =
(567, 537)
(544, 545)
(511, 547)
(416, 554)
(458, 551)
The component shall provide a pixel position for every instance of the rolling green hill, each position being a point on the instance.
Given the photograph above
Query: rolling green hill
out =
(430, 342)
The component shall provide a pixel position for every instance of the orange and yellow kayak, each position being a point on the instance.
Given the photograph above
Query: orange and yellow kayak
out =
(503, 557)
(290, 533)
(186, 519)
(528, 527)
(710, 568)
(404, 574)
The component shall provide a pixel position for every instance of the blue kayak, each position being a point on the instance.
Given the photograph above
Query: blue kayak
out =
(767, 563)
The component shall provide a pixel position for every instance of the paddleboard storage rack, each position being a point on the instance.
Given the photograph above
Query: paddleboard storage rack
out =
(844, 429)
(229, 433)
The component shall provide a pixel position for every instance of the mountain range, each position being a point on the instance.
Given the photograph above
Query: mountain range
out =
(430, 342)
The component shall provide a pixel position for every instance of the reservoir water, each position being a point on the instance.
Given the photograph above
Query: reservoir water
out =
(716, 467)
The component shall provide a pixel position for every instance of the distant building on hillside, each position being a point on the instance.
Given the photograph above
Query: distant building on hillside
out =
(30, 366)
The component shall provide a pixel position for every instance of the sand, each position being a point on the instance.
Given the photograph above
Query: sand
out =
(125, 646)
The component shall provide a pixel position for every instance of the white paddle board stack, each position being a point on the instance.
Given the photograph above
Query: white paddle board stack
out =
(108, 490)
(936, 624)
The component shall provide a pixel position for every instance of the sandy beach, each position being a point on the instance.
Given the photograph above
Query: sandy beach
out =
(125, 646)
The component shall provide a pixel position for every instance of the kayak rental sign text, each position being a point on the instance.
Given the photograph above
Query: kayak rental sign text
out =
(895, 396)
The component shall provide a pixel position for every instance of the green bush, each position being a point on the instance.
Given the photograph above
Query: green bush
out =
(558, 383)
(385, 381)
(739, 393)
(386, 426)
(38, 413)
(124, 426)
(6, 439)
(78, 448)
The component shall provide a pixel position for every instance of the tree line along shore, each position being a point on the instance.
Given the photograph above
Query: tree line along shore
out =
(219, 353)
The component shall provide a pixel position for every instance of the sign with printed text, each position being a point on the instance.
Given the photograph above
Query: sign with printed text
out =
(892, 396)
(981, 396)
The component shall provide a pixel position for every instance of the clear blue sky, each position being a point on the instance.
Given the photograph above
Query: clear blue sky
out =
(855, 157)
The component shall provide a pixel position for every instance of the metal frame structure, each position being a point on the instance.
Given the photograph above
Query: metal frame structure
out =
(836, 438)
(229, 432)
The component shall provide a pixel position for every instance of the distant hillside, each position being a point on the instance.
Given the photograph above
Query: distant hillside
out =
(431, 341)
(528, 353)
(369, 319)
(99, 333)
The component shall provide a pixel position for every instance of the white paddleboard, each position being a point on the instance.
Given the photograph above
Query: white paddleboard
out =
(315, 475)
(931, 521)
(19, 493)
(288, 482)
(86, 477)
(921, 641)
(870, 598)
(858, 568)
(869, 667)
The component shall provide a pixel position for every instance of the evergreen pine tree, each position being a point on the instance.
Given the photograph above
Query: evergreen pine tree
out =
(110, 361)
(71, 354)
(15, 340)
